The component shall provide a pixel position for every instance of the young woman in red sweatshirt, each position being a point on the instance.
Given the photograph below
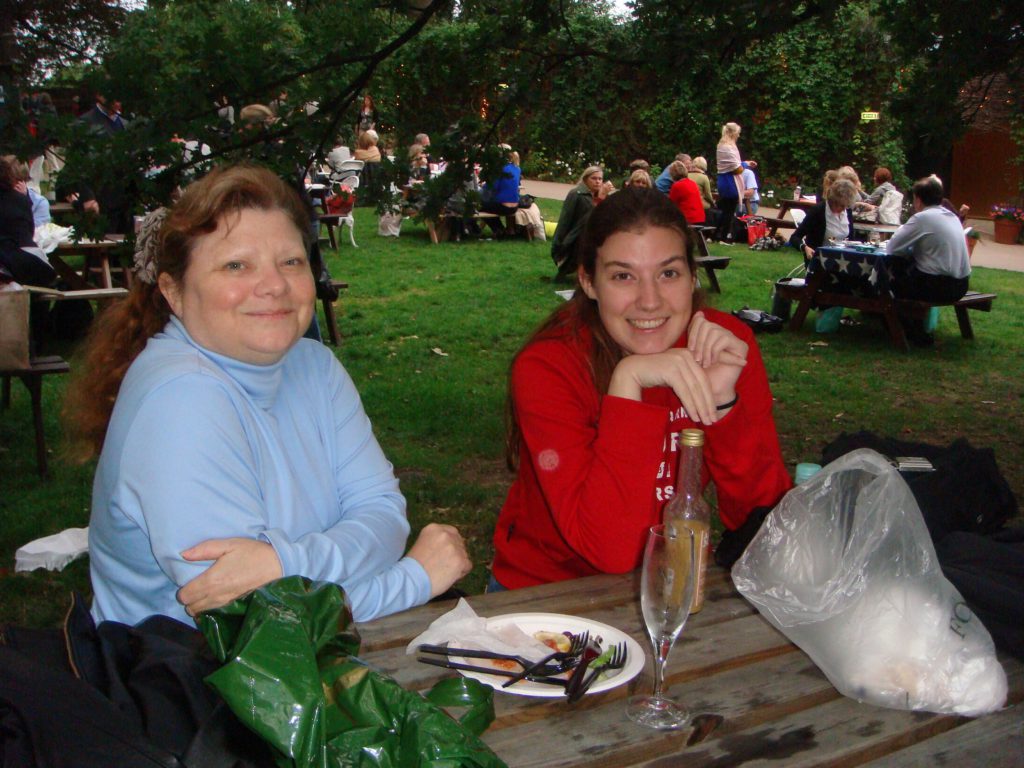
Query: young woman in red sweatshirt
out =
(599, 394)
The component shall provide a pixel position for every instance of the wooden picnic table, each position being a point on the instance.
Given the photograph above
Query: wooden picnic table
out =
(860, 276)
(99, 256)
(785, 206)
(762, 700)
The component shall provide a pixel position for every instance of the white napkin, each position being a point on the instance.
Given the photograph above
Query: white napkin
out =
(48, 236)
(463, 628)
(52, 552)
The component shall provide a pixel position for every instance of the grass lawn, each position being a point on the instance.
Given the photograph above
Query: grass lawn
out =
(428, 335)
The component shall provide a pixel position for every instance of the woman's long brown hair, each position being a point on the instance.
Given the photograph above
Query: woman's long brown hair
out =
(121, 332)
(633, 209)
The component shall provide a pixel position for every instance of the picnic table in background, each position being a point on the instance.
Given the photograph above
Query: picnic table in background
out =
(884, 231)
(860, 276)
(99, 258)
(785, 206)
(757, 697)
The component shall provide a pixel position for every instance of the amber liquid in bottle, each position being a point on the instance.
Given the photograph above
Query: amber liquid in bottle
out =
(688, 509)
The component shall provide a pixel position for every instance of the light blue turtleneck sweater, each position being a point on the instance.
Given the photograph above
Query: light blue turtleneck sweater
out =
(202, 446)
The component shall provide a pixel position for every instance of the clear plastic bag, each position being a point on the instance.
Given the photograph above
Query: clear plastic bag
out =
(845, 568)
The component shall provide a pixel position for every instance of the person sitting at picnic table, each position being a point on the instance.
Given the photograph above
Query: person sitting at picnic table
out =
(236, 451)
(933, 239)
(830, 219)
(500, 195)
(882, 178)
(664, 181)
(847, 172)
(869, 209)
(685, 194)
(600, 392)
(339, 154)
(699, 176)
(640, 178)
(40, 205)
(591, 190)
(368, 151)
(20, 257)
(366, 147)
(419, 165)
(637, 165)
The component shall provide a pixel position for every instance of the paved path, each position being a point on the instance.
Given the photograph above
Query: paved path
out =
(987, 253)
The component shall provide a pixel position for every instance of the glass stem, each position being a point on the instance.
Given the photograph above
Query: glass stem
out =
(662, 647)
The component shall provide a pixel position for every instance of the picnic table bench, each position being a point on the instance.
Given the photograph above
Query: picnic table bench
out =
(704, 258)
(710, 264)
(759, 699)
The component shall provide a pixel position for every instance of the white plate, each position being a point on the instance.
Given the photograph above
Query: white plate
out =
(557, 622)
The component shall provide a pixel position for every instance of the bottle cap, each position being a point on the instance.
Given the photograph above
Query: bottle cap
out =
(692, 437)
(806, 471)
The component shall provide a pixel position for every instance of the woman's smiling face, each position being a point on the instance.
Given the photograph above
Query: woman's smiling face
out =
(248, 292)
(643, 289)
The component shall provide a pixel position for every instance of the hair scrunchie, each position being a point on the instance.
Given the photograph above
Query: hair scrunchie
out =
(146, 246)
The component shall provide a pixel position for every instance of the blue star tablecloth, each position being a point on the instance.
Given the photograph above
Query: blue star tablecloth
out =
(861, 269)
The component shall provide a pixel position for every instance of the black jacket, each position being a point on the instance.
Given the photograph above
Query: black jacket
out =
(812, 229)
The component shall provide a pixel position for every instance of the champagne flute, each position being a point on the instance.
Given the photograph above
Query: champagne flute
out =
(666, 591)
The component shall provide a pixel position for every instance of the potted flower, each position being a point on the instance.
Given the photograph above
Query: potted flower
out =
(1007, 221)
(342, 201)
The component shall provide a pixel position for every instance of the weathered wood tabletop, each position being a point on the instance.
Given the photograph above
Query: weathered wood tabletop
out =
(776, 707)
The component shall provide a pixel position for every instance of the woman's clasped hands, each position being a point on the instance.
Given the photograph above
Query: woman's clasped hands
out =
(703, 374)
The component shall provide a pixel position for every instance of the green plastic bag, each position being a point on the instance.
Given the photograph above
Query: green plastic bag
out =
(828, 320)
(290, 674)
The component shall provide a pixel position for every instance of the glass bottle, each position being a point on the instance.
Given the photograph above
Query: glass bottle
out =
(688, 508)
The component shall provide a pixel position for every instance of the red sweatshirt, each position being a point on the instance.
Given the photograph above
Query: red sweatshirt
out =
(686, 195)
(595, 471)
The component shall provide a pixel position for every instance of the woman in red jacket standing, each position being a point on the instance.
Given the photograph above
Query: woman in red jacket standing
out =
(599, 394)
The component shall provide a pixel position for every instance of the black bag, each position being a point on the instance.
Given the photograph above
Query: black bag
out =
(966, 492)
(526, 201)
(759, 320)
(965, 503)
(989, 572)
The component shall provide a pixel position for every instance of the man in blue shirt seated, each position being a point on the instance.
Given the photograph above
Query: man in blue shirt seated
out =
(934, 240)
(501, 195)
(664, 182)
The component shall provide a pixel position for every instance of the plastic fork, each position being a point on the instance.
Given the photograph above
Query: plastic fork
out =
(576, 645)
(472, 653)
(616, 661)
